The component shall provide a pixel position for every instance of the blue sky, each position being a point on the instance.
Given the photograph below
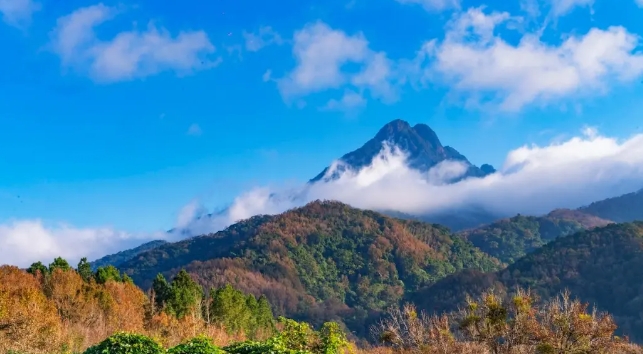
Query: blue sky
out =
(109, 124)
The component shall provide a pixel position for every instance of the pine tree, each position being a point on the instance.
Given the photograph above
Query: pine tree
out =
(264, 316)
(105, 274)
(38, 267)
(84, 269)
(162, 291)
(185, 295)
(59, 263)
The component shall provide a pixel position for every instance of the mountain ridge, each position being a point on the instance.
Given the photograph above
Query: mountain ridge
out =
(325, 260)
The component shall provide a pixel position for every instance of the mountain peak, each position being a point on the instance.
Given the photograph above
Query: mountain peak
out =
(393, 128)
(420, 143)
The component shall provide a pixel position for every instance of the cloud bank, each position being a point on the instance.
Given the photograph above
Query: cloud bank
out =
(533, 180)
(23, 242)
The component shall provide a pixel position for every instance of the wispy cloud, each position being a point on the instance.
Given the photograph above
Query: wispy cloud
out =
(433, 5)
(264, 37)
(130, 54)
(194, 130)
(563, 7)
(18, 13)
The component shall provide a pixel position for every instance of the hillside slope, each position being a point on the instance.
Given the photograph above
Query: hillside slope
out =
(512, 238)
(601, 266)
(323, 261)
(117, 259)
(624, 208)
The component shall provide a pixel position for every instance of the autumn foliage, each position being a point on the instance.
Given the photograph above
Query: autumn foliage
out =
(492, 324)
(58, 309)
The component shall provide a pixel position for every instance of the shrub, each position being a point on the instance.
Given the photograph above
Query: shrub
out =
(126, 343)
(198, 345)
(273, 345)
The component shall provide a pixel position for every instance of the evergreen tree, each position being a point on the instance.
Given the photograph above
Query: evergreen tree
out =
(238, 312)
(59, 263)
(84, 269)
(105, 274)
(38, 267)
(265, 317)
(185, 295)
(230, 308)
(162, 291)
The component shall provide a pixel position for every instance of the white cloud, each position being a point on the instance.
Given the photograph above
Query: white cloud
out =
(475, 61)
(194, 130)
(639, 2)
(18, 13)
(533, 180)
(129, 54)
(433, 5)
(264, 37)
(23, 242)
(349, 102)
(562, 7)
(267, 76)
(322, 55)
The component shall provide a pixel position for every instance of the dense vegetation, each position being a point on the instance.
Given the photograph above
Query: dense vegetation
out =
(512, 238)
(323, 262)
(601, 266)
(60, 310)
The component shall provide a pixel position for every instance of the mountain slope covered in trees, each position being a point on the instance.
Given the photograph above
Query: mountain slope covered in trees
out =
(117, 258)
(512, 238)
(601, 266)
(324, 261)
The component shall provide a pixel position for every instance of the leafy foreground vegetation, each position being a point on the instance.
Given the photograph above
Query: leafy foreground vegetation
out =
(490, 325)
(56, 309)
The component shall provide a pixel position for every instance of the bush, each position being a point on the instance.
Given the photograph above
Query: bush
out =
(273, 345)
(127, 343)
(198, 345)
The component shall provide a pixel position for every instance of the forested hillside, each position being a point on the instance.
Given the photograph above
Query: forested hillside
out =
(509, 239)
(601, 266)
(325, 261)
(117, 259)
